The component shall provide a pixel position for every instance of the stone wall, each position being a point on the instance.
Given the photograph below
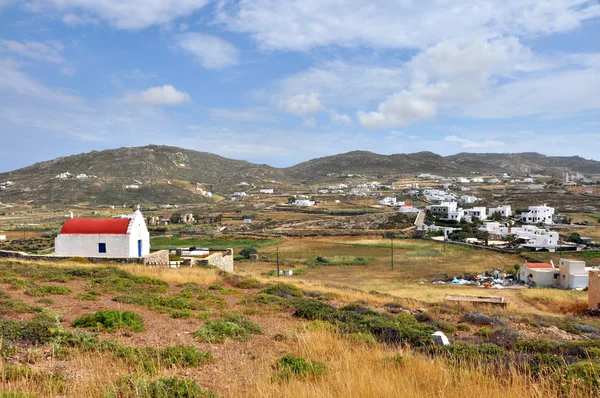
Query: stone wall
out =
(220, 259)
(158, 258)
(594, 290)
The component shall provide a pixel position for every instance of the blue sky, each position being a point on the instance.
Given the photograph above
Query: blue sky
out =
(280, 82)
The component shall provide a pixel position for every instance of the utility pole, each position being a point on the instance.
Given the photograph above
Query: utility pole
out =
(278, 262)
(392, 247)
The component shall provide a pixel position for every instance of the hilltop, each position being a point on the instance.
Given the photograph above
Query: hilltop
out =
(165, 174)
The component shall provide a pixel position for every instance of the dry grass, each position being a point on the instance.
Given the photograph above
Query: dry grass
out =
(556, 301)
(203, 276)
(359, 370)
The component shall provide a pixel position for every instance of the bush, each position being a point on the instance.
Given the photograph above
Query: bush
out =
(483, 332)
(173, 387)
(247, 252)
(283, 290)
(243, 282)
(315, 310)
(235, 328)
(41, 291)
(111, 320)
(290, 366)
(151, 359)
(464, 352)
(478, 318)
(586, 373)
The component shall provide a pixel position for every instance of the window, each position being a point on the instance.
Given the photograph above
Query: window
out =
(101, 247)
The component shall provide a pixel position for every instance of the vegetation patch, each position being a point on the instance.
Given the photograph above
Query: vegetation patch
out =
(283, 290)
(41, 291)
(151, 360)
(290, 366)
(162, 303)
(339, 261)
(236, 328)
(172, 387)
(111, 320)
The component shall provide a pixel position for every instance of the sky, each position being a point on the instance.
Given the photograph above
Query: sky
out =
(281, 81)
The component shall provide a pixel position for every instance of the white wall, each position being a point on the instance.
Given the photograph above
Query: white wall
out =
(87, 245)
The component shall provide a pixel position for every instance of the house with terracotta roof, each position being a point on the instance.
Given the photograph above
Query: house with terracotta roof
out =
(539, 274)
(119, 237)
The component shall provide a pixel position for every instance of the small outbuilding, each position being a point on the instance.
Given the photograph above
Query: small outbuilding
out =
(118, 237)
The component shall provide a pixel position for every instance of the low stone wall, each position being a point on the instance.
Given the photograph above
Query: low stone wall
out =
(156, 258)
(220, 259)
(160, 257)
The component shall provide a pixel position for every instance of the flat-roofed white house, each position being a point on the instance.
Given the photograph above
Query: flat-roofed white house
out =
(538, 214)
(574, 274)
(476, 212)
(504, 211)
(123, 236)
(443, 208)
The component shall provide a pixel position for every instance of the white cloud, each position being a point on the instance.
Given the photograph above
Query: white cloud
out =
(466, 143)
(302, 104)
(339, 118)
(128, 14)
(49, 51)
(302, 25)
(343, 83)
(14, 81)
(399, 109)
(75, 20)
(165, 95)
(451, 74)
(211, 51)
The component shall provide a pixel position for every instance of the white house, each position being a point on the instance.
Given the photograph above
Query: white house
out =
(538, 214)
(267, 190)
(504, 211)
(531, 236)
(476, 212)
(443, 208)
(387, 201)
(477, 180)
(123, 236)
(539, 274)
(303, 203)
(573, 274)
(468, 199)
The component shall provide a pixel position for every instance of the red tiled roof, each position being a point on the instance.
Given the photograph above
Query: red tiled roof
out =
(109, 226)
(539, 265)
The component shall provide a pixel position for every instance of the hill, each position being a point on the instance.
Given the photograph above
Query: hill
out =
(164, 174)
(151, 174)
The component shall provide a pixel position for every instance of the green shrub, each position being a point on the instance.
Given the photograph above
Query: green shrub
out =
(161, 303)
(464, 352)
(181, 314)
(247, 252)
(18, 306)
(290, 366)
(215, 287)
(445, 326)
(151, 359)
(463, 327)
(483, 332)
(41, 291)
(111, 320)
(315, 310)
(586, 373)
(173, 387)
(234, 328)
(88, 296)
(283, 290)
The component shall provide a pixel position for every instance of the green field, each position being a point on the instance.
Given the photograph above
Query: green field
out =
(214, 243)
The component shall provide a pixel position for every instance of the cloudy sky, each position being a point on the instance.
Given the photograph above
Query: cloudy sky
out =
(282, 81)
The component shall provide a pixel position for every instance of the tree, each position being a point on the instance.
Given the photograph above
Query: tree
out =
(247, 252)
(175, 218)
(496, 216)
(575, 238)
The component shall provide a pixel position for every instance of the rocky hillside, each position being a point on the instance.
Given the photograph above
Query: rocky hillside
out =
(164, 174)
(151, 174)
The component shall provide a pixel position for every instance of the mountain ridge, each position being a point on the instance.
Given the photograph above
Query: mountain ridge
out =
(161, 173)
